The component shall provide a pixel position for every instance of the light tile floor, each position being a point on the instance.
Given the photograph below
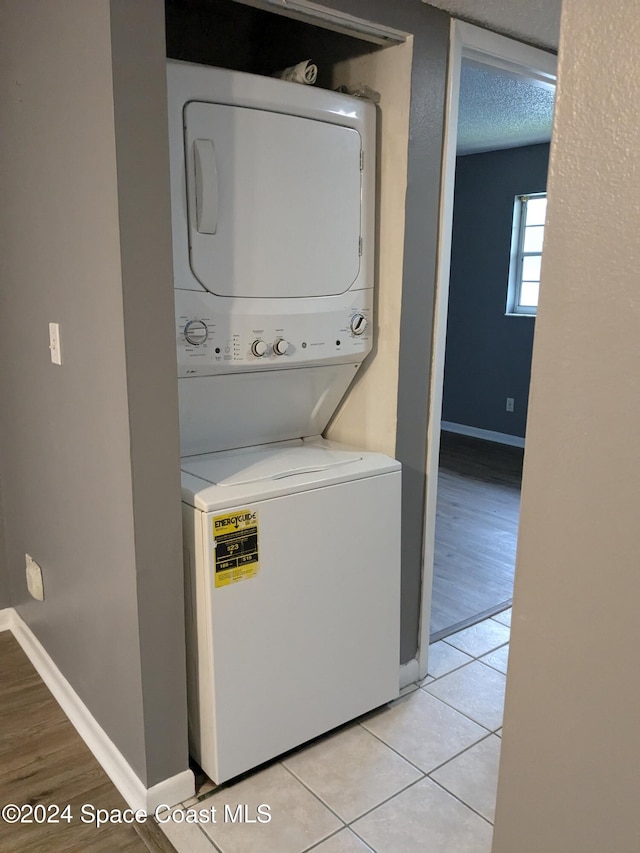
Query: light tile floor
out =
(419, 774)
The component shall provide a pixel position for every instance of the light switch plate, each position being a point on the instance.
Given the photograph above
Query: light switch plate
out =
(54, 343)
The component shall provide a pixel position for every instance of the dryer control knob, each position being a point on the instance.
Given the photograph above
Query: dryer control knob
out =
(358, 324)
(259, 348)
(196, 332)
(281, 346)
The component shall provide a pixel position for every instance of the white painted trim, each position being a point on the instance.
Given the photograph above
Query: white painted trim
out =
(476, 44)
(6, 618)
(409, 673)
(439, 339)
(331, 19)
(170, 791)
(486, 434)
(512, 57)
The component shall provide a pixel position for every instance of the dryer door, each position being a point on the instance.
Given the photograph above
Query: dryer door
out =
(274, 202)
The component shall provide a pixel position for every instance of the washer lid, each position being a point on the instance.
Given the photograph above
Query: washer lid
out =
(232, 478)
(255, 466)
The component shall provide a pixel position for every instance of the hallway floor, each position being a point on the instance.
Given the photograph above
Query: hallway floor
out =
(418, 775)
(476, 533)
(49, 776)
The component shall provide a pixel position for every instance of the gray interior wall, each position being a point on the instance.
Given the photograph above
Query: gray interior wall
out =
(5, 593)
(140, 97)
(569, 776)
(80, 441)
(488, 354)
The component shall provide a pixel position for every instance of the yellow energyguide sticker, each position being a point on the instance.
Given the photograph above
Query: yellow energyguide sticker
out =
(235, 546)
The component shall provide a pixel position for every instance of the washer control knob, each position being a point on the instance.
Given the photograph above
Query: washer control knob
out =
(281, 346)
(358, 324)
(196, 332)
(259, 348)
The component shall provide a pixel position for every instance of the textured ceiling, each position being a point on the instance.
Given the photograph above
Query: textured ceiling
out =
(498, 110)
(533, 21)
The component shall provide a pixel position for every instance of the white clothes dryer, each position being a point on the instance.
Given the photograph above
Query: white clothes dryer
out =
(273, 206)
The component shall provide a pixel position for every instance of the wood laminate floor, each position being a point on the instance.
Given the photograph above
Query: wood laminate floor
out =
(43, 760)
(476, 531)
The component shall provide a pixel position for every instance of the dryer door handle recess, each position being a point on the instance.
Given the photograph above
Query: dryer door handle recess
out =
(206, 181)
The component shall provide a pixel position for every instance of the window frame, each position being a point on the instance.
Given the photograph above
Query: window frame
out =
(518, 254)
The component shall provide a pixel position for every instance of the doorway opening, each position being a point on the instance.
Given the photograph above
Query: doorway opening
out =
(496, 148)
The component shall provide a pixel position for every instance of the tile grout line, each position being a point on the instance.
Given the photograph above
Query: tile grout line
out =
(316, 844)
(449, 705)
(394, 750)
(476, 657)
(424, 775)
(212, 842)
(198, 828)
(388, 800)
(317, 797)
(349, 825)
(360, 838)
(494, 667)
(458, 754)
(444, 674)
(461, 801)
(344, 828)
(384, 802)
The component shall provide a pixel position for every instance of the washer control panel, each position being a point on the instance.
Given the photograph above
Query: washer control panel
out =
(209, 342)
(359, 324)
(196, 332)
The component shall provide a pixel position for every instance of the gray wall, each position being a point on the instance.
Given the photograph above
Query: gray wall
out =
(5, 593)
(89, 455)
(569, 776)
(488, 354)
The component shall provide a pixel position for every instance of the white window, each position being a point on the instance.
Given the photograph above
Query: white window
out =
(529, 213)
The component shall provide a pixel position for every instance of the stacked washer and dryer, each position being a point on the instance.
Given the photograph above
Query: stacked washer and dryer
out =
(292, 542)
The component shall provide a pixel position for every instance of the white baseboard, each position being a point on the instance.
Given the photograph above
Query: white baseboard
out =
(486, 434)
(170, 791)
(409, 673)
(6, 617)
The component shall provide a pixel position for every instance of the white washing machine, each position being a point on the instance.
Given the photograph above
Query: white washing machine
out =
(292, 551)
(292, 543)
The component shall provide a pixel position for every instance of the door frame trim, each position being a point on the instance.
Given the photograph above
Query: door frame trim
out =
(518, 59)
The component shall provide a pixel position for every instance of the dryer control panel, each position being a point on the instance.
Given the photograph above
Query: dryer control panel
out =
(210, 343)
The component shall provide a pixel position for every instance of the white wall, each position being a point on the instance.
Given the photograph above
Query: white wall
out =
(367, 416)
(569, 780)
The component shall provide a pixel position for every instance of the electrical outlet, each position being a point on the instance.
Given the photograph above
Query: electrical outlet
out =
(510, 402)
(34, 578)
